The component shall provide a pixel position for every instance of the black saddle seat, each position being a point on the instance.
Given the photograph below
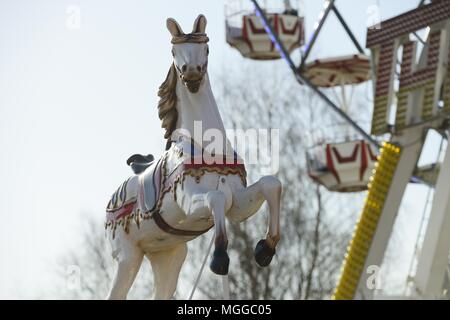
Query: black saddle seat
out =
(139, 162)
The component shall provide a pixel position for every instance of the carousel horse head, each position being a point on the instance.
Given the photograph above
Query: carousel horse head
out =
(190, 52)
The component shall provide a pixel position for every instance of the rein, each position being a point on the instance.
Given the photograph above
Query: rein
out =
(202, 73)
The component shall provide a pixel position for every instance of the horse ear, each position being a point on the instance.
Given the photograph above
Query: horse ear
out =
(173, 27)
(199, 24)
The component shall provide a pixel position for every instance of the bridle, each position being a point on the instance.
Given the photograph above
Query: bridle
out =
(202, 72)
(191, 38)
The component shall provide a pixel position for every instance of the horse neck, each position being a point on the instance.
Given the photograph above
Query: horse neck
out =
(200, 106)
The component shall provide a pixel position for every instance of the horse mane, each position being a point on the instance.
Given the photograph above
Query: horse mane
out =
(167, 110)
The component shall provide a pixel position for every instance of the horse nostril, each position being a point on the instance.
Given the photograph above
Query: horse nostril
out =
(199, 68)
(183, 68)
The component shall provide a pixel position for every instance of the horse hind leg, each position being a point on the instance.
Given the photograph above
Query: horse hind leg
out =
(247, 201)
(128, 264)
(166, 266)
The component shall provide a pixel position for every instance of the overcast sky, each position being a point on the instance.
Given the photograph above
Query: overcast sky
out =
(74, 104)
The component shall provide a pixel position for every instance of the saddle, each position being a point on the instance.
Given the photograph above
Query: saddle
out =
(139, 162)
(138, 195)
(150, 186)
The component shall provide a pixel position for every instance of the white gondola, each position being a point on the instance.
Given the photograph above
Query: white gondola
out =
(342, 167)
(246, 33)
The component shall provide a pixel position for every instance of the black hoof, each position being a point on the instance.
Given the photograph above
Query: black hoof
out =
(220, 262)
(263, 253)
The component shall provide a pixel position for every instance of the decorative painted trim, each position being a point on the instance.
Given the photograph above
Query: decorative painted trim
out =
(364, 162)
(330, 164)
(348, 159)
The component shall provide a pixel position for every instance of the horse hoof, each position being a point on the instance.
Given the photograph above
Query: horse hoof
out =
(220, 262)
(263, 253)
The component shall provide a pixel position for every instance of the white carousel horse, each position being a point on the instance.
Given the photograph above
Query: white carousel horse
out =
(181, 196)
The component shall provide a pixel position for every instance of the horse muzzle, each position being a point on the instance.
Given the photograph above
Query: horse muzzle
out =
(192, 82)
(192, 76)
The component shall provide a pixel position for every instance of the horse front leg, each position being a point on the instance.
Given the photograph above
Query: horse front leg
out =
(201, 205)
(216, 201)
(128, 263)
(166, 267)
(247, 201)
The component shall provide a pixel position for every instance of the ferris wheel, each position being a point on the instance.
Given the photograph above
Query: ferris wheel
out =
(414, 91)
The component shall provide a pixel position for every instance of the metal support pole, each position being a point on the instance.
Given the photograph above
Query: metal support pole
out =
(313, 39)
(347, 29)
(201, 268)
(368, 283)
(226, 287)
(433, 260)
(275, 40)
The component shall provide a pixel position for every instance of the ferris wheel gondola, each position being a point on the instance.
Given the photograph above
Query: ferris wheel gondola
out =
(338, 71)
(246, 33)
